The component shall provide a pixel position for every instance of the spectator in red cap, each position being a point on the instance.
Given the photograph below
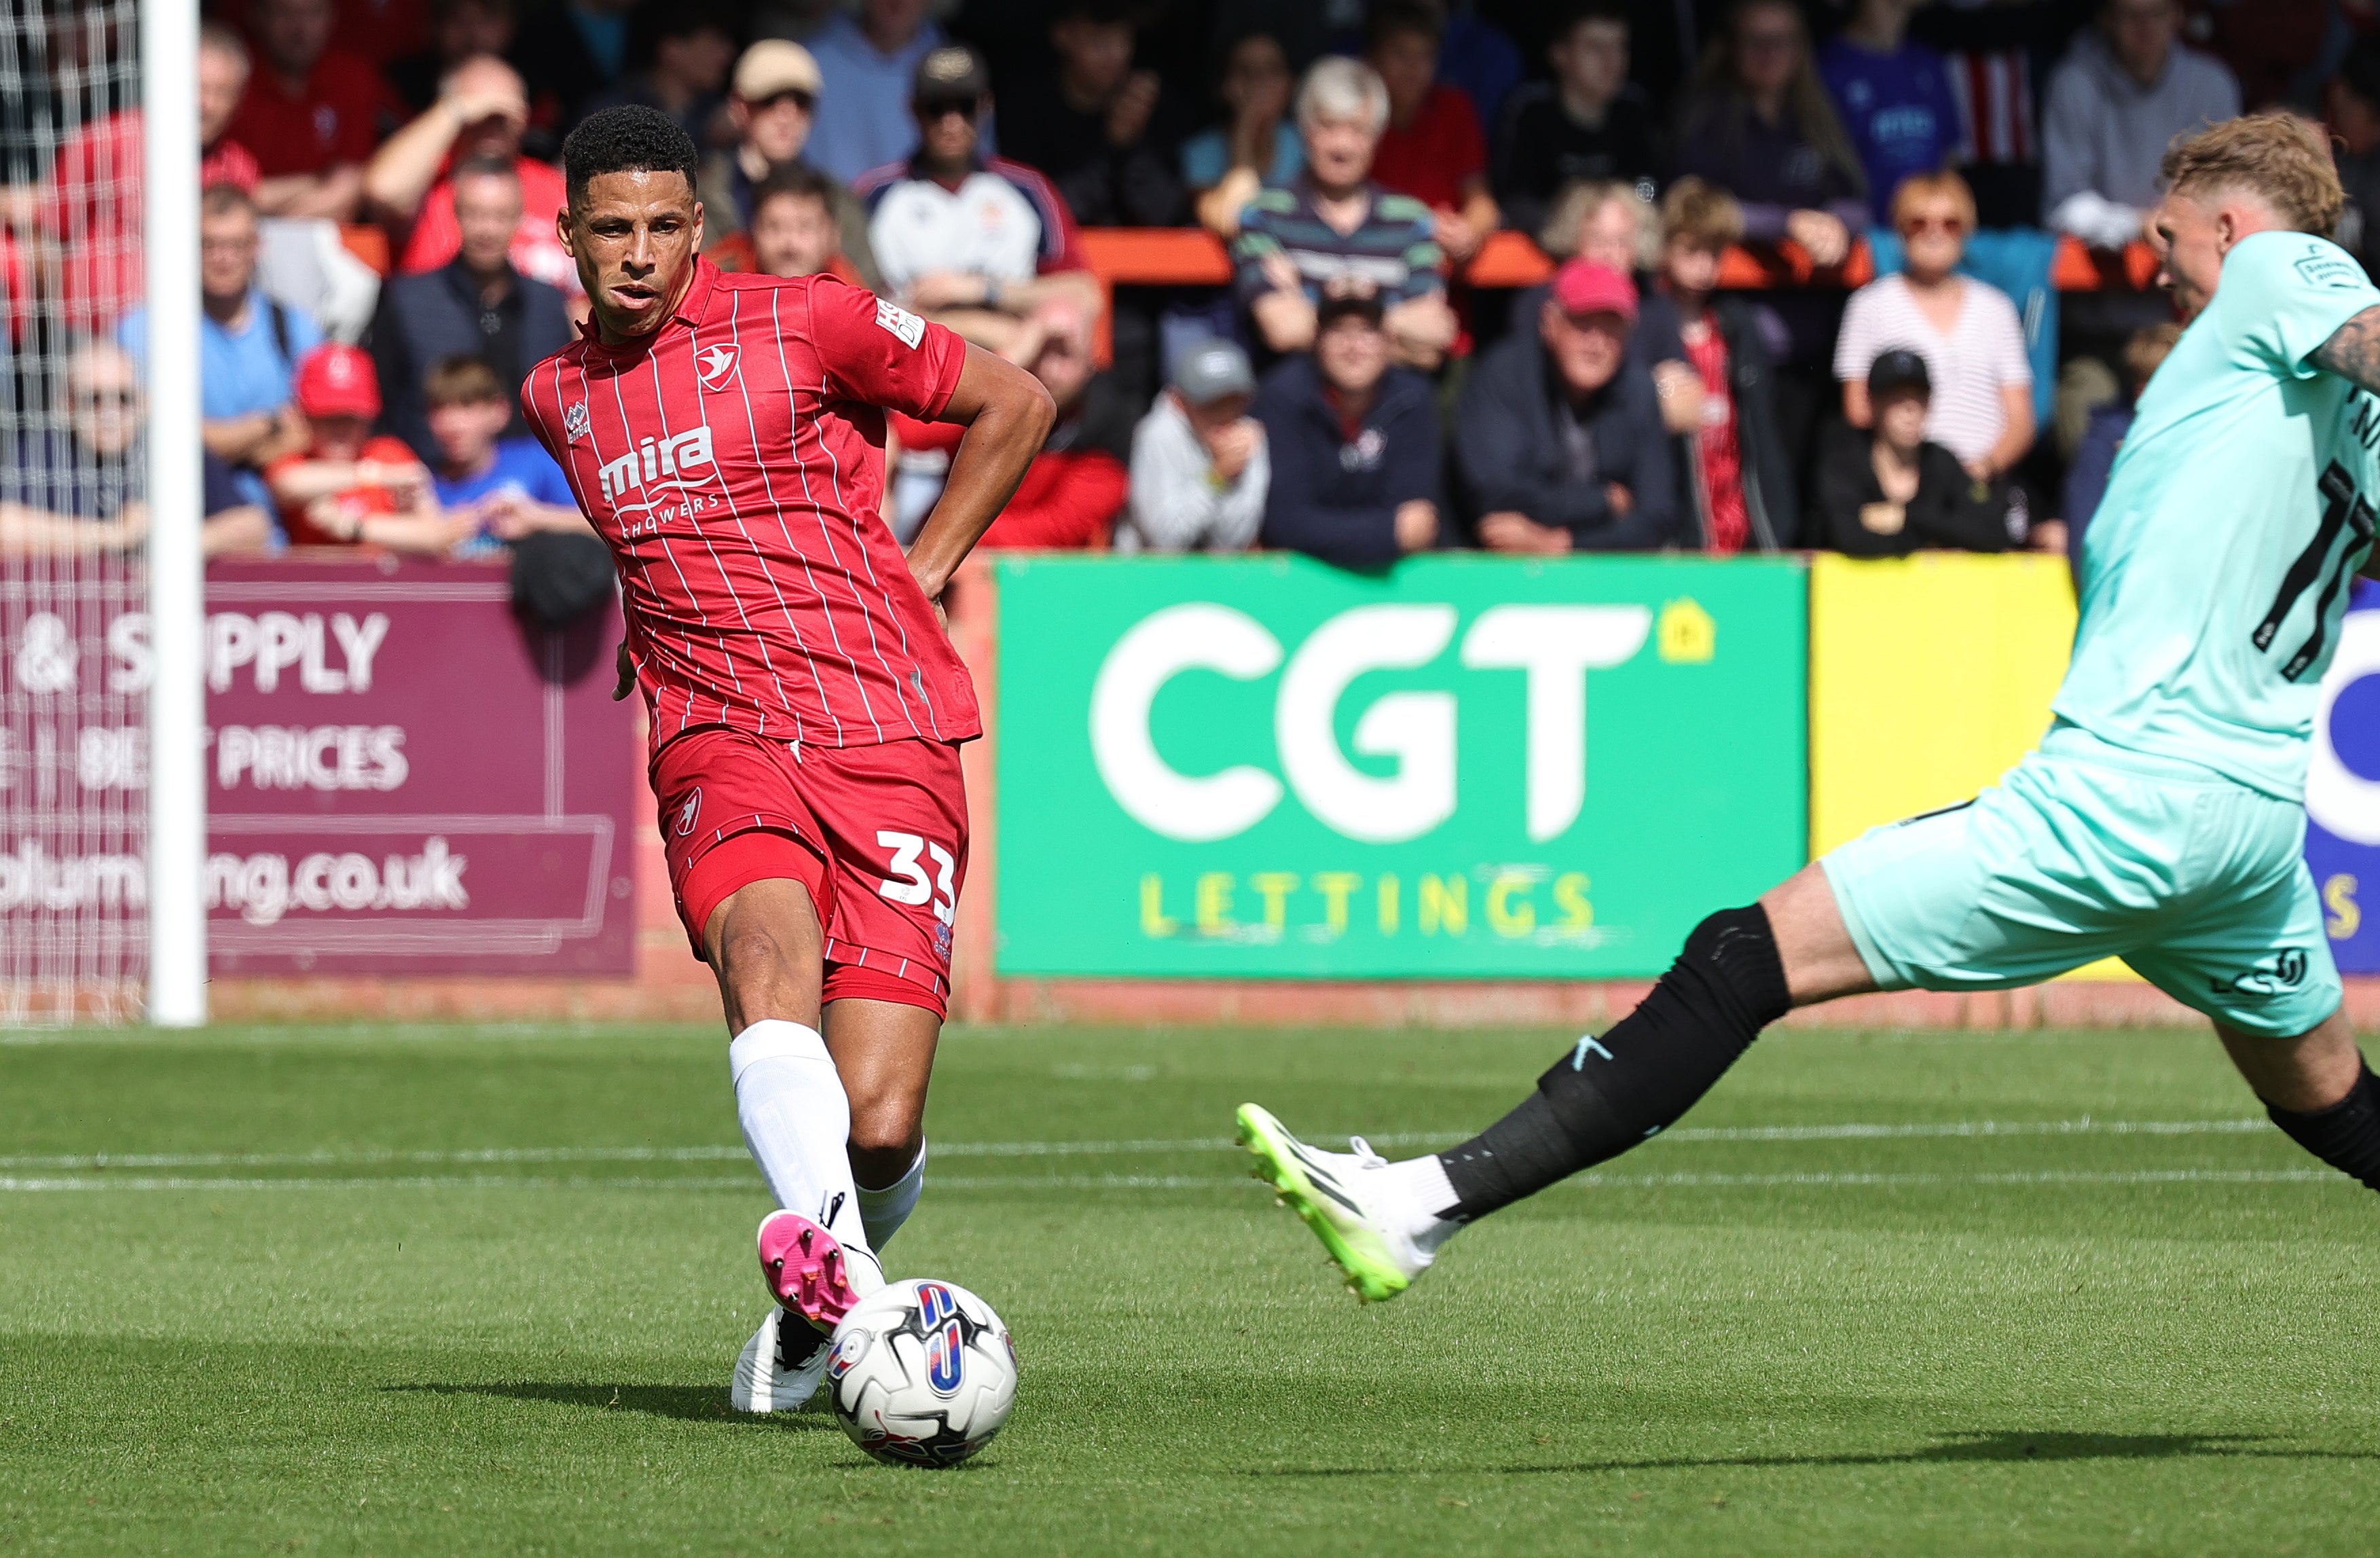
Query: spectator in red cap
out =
(349, 487)
(1558, 440)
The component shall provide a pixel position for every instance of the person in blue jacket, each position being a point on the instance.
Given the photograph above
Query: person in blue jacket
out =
(1354, 443)
(1558, 440)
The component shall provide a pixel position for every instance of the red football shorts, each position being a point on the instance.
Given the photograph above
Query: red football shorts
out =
(877, 834)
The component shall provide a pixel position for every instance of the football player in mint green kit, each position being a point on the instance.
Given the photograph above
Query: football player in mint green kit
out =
(2161, 821)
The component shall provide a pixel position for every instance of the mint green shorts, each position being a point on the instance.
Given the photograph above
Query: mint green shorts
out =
(2085, 851)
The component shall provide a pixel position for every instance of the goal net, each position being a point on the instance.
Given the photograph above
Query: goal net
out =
(75, 655)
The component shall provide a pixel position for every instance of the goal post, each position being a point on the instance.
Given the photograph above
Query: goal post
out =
(176, 722)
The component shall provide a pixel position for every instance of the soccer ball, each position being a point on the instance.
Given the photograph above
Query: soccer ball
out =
(922, 1373)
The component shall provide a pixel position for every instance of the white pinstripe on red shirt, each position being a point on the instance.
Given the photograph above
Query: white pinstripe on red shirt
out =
(733, 460)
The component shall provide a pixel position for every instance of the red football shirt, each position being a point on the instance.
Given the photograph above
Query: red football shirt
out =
(1437, 154)
(733, 460)
(94, 213)
(356, 503)
(334, 118)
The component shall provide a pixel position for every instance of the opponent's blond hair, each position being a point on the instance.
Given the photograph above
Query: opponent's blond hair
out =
(2276, 157)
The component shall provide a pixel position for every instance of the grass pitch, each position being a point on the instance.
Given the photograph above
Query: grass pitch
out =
(443, 1290)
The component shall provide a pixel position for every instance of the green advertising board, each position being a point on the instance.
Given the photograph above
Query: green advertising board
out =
(1467, 767)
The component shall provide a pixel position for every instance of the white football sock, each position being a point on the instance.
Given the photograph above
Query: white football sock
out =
(796, 1122)
(883, 1211)
(1422, 1186)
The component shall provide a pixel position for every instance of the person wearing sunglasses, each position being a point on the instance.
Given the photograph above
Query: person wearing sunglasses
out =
(73, 492)
(974, 242)
(772, 102)
(1966, 332)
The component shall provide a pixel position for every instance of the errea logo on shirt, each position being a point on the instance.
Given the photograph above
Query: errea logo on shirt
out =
(2324, 266)
(653, 460)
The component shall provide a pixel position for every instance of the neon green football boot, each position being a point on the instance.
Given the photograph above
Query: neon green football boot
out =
(1347, 1200)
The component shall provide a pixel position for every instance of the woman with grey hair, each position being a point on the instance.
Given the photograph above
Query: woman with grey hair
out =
(1606, 220)
(1334, 233)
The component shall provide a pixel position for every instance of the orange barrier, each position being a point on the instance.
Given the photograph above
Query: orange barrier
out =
(1193, 257)
(367, 243)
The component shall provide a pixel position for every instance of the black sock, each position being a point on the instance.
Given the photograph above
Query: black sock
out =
(2346, 1135)
(1610, 1093)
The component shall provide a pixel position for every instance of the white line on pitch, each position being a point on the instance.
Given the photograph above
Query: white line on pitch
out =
(365, 1157)
(362, 1157)
(404, 1182)
(1691, 1181)
(1175, 1182)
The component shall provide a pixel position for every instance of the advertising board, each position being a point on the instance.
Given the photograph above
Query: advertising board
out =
(2343, 790)
(403, 777)
(1465, 767)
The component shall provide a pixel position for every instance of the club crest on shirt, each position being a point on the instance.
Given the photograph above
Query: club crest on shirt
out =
(689, 811)
(900, 323)
(715, 366)
(574, 421)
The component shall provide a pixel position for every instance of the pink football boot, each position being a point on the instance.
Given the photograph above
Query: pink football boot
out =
(805, 1269)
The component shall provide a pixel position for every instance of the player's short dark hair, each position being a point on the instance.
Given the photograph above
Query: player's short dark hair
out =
(630, 138)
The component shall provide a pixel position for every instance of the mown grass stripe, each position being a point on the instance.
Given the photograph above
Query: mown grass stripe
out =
(363, 1157)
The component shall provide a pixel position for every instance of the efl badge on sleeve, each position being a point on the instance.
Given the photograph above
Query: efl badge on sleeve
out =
(900, 323)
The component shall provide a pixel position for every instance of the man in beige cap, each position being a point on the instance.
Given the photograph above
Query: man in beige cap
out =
(773, 102)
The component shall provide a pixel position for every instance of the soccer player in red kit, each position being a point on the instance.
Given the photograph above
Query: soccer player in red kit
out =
(726, 435)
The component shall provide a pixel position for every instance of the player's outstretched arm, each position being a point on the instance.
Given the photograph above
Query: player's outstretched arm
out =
(2353, 351)
(1006, 414)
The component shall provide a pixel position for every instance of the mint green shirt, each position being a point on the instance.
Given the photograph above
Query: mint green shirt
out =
(2217, 567)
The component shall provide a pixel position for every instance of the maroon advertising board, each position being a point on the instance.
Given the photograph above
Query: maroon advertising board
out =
(405, 777)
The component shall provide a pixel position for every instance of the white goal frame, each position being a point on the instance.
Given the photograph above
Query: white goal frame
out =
(177, 779)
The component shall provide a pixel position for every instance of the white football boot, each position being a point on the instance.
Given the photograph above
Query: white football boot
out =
(782, 1365)
(816, 1279)
(1358, 1203)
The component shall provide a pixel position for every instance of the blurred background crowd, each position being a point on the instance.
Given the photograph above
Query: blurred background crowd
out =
(1352, 277)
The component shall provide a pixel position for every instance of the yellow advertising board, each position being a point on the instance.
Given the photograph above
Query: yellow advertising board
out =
(1929, 678)
(1929, 675)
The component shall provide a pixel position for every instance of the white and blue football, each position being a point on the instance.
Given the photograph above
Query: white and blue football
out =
(922, 1373)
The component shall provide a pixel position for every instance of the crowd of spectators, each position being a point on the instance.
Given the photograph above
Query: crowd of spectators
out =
(1351, 393)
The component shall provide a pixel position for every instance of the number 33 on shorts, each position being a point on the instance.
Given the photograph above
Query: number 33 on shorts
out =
(910, 882)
